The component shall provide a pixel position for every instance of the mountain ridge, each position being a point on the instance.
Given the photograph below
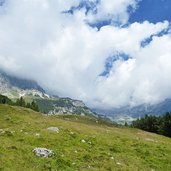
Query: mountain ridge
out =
(14, 87)
(128, 114)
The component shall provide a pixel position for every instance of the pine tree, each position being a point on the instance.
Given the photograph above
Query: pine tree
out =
(34, 106)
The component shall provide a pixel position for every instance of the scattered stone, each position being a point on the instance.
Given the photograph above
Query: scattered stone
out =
(118, 163)
(53, 129)
(75, 151)
(42, 152)
(112, 158)
(37, 134)
(83, 141)
(72, 133)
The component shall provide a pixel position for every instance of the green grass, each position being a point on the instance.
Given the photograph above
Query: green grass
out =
(107, 148)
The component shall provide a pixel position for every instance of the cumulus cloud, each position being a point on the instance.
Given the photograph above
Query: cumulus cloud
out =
(67, 56)
(114, 10)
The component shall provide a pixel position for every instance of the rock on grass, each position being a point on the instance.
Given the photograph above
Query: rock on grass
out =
(53, 129)
(42, 152)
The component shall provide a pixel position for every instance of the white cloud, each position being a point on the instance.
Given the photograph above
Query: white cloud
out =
(66, 56)
(114, 10)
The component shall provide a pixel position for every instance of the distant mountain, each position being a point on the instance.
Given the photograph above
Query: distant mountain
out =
(55, 106)
(22, 83)
(130, 113)
(14, 88)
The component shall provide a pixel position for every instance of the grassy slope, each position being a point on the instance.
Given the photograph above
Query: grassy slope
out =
(111, 148)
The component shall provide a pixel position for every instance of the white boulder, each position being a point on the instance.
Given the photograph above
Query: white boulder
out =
(42, 152)
(53, 129)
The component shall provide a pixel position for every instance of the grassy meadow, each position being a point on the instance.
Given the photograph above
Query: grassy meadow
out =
(83, 143)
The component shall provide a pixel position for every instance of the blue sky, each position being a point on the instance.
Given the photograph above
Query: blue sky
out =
(153, 11)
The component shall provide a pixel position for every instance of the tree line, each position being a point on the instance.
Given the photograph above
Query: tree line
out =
(19, 102)
(156, 124)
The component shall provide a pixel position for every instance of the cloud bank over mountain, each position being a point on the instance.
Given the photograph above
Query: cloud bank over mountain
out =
(59, 43)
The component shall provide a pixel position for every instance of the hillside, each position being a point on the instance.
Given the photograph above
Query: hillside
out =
(81, 143)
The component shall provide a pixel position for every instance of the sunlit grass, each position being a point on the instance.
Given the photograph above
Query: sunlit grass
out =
(105, 147)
